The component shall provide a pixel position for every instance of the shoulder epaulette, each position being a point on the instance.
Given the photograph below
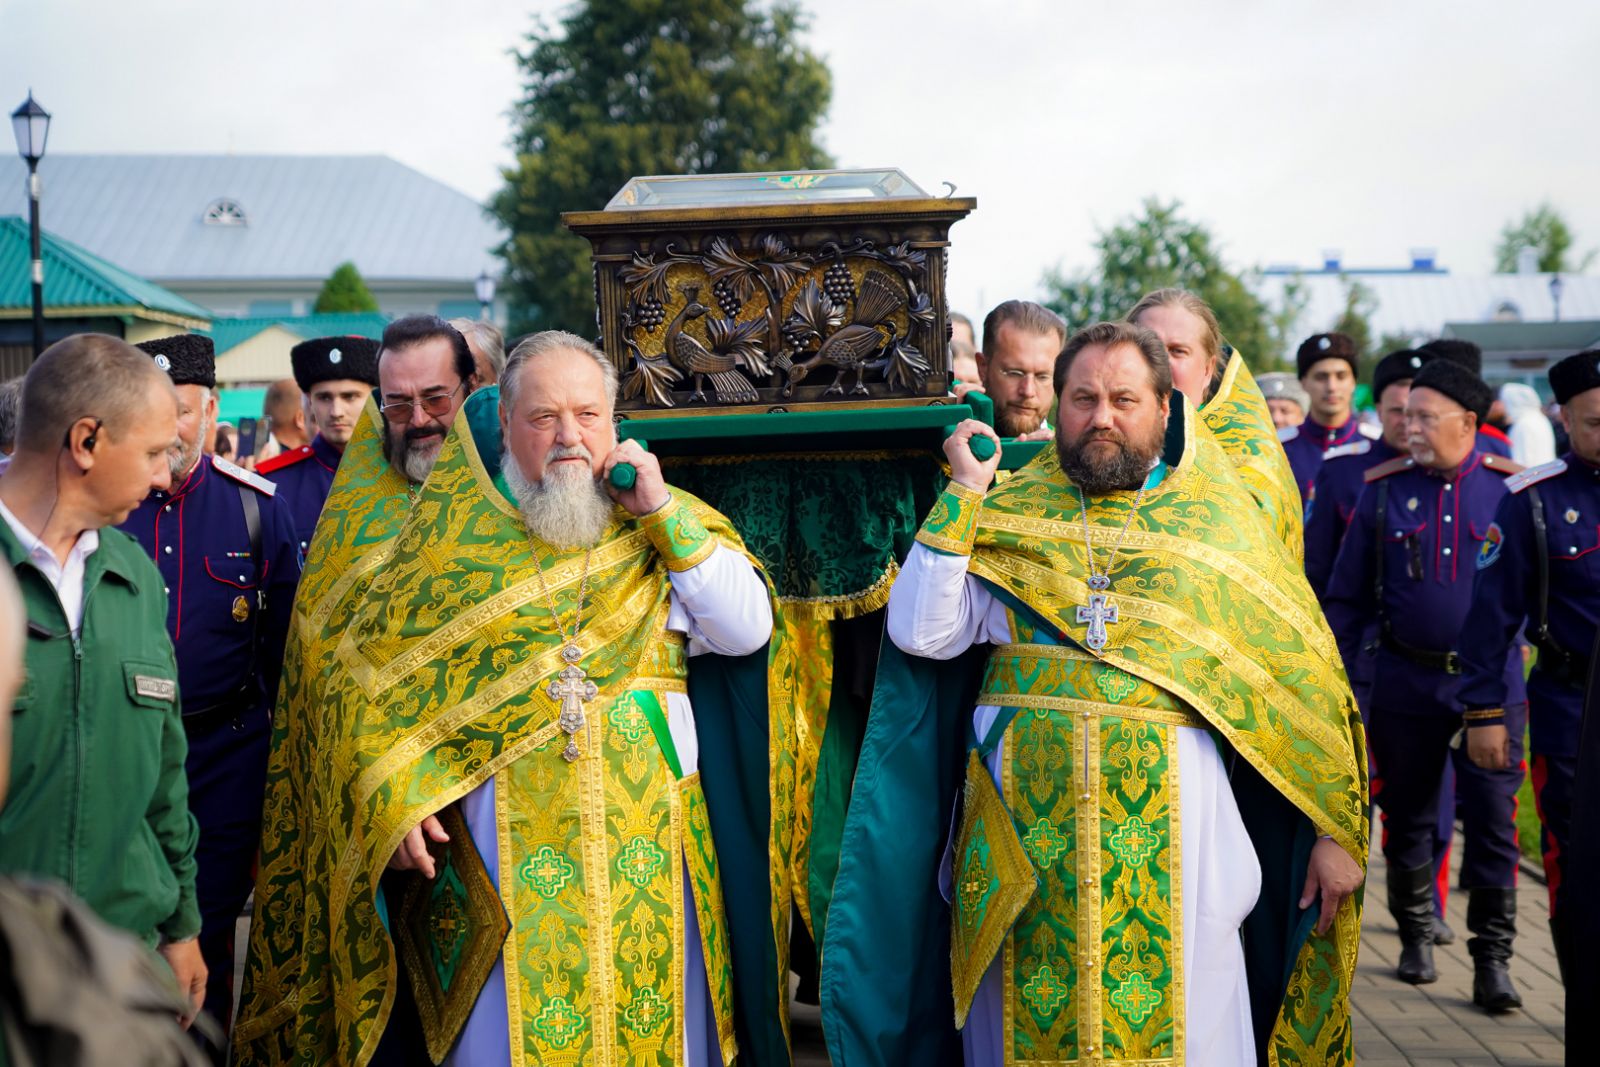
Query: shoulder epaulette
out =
(284, 459)
(1388, 467)
(1500, 464)
(1369, 431)
(244, 477)
(1354, 448)
(1288, 433)
(1534, 475)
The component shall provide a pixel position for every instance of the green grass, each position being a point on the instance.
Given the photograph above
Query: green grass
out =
(1528, 815)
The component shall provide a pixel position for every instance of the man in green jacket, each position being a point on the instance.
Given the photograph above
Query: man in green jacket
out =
(98, 797)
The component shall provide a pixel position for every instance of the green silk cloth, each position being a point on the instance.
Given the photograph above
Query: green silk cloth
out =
(439, 680)
(828, 528)
(1238, 417)
(1214, 611)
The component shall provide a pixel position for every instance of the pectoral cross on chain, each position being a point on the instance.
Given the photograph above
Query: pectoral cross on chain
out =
(1099, 611)
(573, 688)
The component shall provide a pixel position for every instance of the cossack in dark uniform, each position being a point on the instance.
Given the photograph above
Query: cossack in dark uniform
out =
(1406, 566)
(1540, 568)
(1329, 507)
(230, 562)
(305, 474)
(1308, 443)
(1470, 356)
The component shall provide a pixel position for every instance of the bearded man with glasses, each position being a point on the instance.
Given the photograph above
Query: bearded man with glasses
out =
(425, 373)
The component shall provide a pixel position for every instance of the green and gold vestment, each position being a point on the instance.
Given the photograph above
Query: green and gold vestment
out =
(1070, 869)
(1238, 417)
(434, 683)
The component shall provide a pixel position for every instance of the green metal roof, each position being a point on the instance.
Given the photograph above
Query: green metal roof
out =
(226, 333)
(76, 278)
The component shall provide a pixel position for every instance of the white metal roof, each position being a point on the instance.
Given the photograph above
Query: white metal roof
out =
(303, 216)
(1419, 304)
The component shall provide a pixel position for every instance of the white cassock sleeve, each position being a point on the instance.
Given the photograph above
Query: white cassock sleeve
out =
(938, 610)
(721, 605)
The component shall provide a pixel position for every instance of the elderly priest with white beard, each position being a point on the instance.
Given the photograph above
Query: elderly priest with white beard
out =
(514, 726)
(1163, 816)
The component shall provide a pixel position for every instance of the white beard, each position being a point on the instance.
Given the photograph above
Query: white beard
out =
(418, 457)
(181, 460)
(566, 508)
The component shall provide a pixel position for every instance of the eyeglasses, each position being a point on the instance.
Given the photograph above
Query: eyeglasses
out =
(434, 404)
(1429, 419)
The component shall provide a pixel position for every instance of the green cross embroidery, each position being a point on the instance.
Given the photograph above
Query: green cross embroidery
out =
(1045, 843)
(558, 1023)
(1115, 684)
(547, 871)
(647, 1013)
(976, 880)
(1045, 992)
(640, 861)
(1136, 998)
(629, 721)
(1134, 842)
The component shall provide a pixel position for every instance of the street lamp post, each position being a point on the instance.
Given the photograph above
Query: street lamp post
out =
(483, 286)
(31, 124)
(1556, 285)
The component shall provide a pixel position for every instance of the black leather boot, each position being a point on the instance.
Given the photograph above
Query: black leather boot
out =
(1442, 934)
(1411, 904)
(1492, 919)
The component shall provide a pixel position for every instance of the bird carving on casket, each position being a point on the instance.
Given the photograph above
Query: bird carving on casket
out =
(733, 347)
(852, 347)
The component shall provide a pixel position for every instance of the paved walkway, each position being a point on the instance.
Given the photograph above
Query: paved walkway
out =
(1399, 1025)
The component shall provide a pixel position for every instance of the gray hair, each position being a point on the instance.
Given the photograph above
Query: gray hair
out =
(10, 405)
(491, 342)
(87, 375)
(543, 343)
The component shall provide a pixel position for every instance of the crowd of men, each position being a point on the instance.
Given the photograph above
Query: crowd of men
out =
(158, 584)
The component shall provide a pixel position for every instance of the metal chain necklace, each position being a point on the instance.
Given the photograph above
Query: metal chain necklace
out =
(1101, 609)
(572, 687)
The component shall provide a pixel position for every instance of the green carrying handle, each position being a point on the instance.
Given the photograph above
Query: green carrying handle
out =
(982, 448)
(623, 475)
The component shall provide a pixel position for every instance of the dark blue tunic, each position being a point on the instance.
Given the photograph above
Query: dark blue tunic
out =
(303, 476)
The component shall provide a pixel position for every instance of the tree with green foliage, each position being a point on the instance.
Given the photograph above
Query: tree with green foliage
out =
(1546, 232)
(638, 87)
(1282, 320)
(345, 290)
(1153, 250)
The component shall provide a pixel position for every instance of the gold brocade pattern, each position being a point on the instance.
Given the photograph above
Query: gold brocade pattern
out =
(1214, 611)
(811, 643)
(443, 656)
(1239, 419)
(364, 510)
(1093, 971)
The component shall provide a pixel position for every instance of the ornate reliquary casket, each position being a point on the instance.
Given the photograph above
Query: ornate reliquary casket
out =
(744, 294)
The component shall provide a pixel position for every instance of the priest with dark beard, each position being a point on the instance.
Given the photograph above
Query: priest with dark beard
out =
(1117, 665)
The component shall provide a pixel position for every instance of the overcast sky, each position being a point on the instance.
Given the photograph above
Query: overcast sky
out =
(1367, 127)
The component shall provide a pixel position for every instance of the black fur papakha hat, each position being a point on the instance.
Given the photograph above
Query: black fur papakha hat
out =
(188, 358)
(328, 359)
